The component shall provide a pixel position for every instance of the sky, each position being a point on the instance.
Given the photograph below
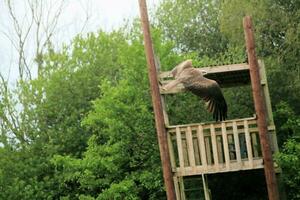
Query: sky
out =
(103, 14)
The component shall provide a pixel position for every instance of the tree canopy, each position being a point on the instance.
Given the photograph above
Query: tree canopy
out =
(85, 127)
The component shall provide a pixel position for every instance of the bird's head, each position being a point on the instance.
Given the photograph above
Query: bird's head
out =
(180, 67)
(203, 72)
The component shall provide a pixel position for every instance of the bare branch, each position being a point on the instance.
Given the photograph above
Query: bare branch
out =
(9, 119)
(87, 15)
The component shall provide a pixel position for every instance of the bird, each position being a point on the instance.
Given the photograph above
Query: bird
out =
(207, 89)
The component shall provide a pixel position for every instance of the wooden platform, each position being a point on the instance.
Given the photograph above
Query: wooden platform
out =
(225, 75)
(216, 147)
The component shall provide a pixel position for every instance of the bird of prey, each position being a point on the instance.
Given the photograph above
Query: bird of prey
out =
(207, 89)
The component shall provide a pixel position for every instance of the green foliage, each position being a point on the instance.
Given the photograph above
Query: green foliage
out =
(53, 107)
(192, 25)
(289, 161)
(277, 40)
(126, 190)
(122, 158)
(85, 127)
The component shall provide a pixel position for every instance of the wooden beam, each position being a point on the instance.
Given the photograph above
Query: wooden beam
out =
(260, 108)
(215, 69)
(236, 142)
(251, 120)
(264, 83)
(157, 105)
(214, 146)
(205, 187)
(171, 152)
(225, 145)
(177, 187)
(201, 143)
(179, 148)
(190, 147)
(248, 143)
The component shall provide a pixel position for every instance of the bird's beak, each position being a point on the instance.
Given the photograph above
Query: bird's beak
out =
(203, 72)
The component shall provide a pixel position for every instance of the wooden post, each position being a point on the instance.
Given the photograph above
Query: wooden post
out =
(157, 105)
(205, 187)
(260, 109)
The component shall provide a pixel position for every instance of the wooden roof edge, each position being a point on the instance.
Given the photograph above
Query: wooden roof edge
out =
(180, 87)
(214, 69)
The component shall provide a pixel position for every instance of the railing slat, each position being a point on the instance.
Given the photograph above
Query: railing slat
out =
(248, 143)
(176, 183)
(200, 137)
(171, 151)
(179, 147)
(208, 148)
(190, 147)
(254, 145)
(220, 149)
(214, 145)
(236, 142)
(204, 148)
(225, 145)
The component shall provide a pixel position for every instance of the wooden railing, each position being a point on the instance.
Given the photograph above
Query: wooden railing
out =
(216, 147)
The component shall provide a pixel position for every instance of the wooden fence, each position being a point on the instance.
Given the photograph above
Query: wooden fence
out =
(217, 147)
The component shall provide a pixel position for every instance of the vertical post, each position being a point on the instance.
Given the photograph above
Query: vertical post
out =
(205, 187)
(260, 109)
(157, 105)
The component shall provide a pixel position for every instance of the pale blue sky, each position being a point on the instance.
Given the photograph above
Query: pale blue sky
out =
(104, 14)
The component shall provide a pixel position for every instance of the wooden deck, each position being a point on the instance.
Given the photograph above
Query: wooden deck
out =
(226, 76)
(216, 147)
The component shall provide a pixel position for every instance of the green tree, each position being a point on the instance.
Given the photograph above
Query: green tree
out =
(192, 25)
(56, 103)
(122, 159)
(277, 39)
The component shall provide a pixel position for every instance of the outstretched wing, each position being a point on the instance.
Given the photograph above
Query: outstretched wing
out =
(211, 93)
(176, 72)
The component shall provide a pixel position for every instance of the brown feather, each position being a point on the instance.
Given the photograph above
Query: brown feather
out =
(205, 88)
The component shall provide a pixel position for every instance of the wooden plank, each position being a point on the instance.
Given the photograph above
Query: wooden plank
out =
(266, 93)
(185, 150)
(236, 143)
(251, 120)
(198, 170)
(166, 117)
(196, 148)
(264, 83)
(180, 88)
(162, 97)
(214, 146)
(179, 147)
(225, 145)
(248, 143)
(205, 187)
(254, 144)
(182, 193)
(177, 188)
(231, 148)
(200, 137)
(214, 69)
(208, 148)
(190, 147)
(220, 148)
(171, 151)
